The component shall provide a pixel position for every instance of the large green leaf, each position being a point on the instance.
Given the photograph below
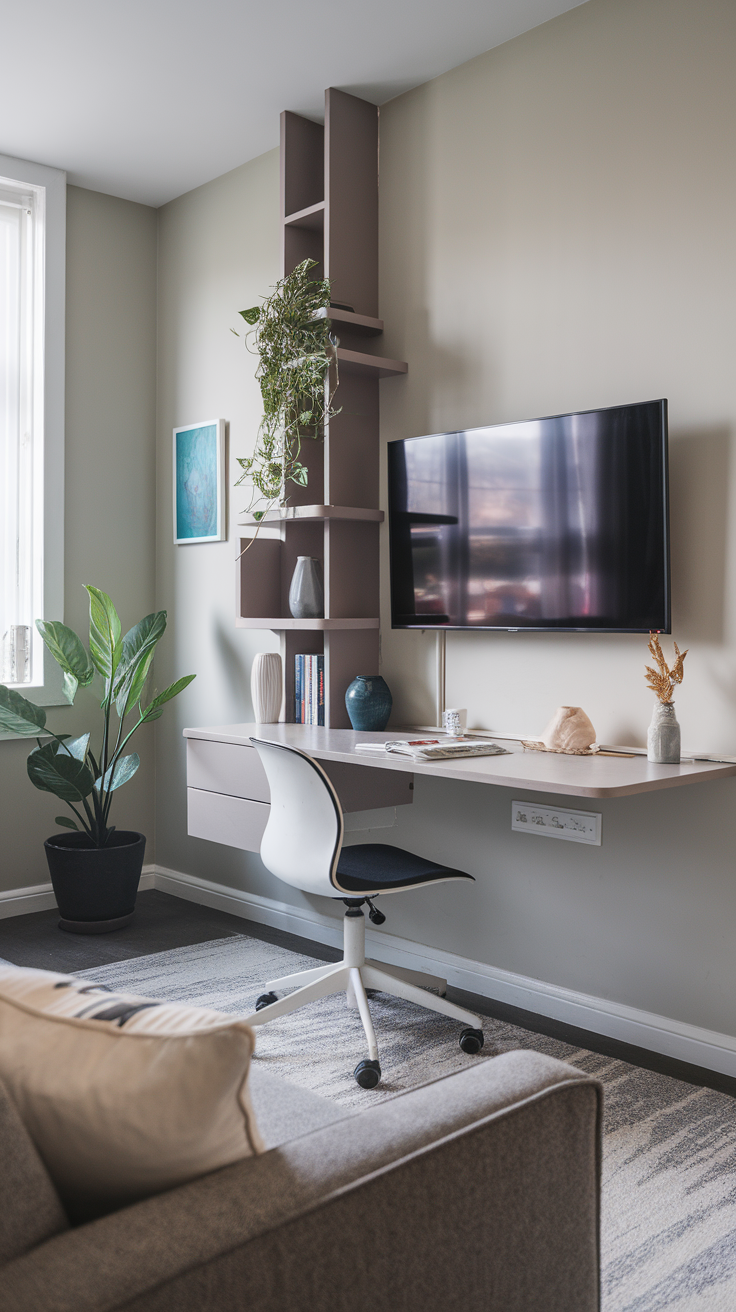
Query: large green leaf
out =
(131, 695)
(53, 770)
(77, 747)
(104, 633)
(251, 316)
(19, 716)
(68, 652)
(66, 821)
(123, 770)
(137, 653)
(156, 707)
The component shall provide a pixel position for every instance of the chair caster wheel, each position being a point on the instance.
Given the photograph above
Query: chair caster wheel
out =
(471, 1041)
(265, 1000)
(367, 1073)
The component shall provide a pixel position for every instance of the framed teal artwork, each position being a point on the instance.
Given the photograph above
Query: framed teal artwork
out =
(199, 482)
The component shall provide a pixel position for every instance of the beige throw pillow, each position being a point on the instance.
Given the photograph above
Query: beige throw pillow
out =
(123, 1096)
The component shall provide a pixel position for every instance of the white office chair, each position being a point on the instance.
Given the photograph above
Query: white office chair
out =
(302, 845)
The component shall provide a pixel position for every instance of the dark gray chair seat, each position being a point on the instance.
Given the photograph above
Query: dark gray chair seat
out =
(375, 865)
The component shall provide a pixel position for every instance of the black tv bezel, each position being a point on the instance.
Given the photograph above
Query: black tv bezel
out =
(425, 623)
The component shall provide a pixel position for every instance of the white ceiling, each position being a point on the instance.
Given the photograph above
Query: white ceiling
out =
(146, 99)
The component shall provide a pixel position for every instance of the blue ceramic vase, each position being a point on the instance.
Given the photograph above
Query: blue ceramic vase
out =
(369, 701)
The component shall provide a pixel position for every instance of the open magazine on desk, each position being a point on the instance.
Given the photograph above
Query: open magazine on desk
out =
(433, 749)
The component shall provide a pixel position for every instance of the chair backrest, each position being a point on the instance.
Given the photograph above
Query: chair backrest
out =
(303, 837)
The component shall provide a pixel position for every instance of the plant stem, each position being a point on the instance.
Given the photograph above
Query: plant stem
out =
(115, 756)
(105, 737)
(81, 820)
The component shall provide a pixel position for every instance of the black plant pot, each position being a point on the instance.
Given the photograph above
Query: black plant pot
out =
(95, 887)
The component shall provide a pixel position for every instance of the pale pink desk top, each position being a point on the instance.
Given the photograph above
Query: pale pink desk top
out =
(541, 772)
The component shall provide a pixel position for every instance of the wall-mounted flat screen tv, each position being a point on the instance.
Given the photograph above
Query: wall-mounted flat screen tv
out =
(558, 523)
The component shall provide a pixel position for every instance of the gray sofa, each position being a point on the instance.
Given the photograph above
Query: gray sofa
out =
(479, 1191)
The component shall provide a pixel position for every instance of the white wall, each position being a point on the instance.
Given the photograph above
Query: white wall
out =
(109, 491)
(556, 233)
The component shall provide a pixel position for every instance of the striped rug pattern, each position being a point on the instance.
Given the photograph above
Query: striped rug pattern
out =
(669, 1191)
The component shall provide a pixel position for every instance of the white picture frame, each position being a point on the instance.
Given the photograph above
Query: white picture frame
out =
(198, 470)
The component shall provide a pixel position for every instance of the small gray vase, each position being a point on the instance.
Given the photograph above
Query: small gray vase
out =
(663, 737)
(306, 594)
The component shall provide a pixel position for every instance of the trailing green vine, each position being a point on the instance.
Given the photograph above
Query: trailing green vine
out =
(291, 336)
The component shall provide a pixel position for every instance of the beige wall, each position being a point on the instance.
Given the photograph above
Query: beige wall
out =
(556, 233)
(109, 494)
(218, 254)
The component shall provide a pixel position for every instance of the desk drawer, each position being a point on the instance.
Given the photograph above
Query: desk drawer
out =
(226, 768)
(234, 821)
(236, 771)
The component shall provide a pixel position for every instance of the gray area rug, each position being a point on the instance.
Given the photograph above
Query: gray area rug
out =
(669, 1191)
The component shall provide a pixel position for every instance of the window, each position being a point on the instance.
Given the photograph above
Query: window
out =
(21, 434)
(32, 261)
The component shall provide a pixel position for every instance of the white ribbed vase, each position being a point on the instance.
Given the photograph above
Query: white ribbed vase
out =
(265, 687)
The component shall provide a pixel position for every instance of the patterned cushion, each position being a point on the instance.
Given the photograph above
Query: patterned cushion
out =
(123, 1096)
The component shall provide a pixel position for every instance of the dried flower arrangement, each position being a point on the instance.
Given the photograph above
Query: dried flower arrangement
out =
(663, 680)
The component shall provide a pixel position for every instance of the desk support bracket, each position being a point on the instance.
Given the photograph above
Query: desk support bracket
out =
(440, 675)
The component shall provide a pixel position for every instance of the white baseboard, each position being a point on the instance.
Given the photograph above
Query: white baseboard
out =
(671, 1038)
(19, 901)
(40, 897)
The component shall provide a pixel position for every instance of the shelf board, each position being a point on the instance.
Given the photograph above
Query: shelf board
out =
(312, 218)
(290, 513)
(354, 323)
(249, 622)
(358, 362)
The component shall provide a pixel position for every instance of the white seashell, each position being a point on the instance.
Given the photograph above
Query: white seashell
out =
(569, 730)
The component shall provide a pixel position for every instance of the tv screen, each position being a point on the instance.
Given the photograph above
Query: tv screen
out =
(558, 523)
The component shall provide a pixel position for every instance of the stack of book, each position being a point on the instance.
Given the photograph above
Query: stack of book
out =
(309, 689)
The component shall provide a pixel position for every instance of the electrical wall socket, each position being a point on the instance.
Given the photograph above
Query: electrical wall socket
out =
(550, 822)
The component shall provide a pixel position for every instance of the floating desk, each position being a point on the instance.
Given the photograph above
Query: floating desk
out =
(228, 798)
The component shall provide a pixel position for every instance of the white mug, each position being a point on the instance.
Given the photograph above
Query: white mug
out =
(454, 721)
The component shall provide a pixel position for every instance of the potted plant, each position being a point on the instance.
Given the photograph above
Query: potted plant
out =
(95, 869)
(292, 336)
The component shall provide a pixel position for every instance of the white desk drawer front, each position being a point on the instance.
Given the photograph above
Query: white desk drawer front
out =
(226, 768)
(234, 821)
(236, 771)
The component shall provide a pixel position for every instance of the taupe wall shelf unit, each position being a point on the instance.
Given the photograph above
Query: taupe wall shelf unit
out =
(316, 512)
(358, 362)
(329, 213)
(312, 219)
(346, 321)
(289, 625)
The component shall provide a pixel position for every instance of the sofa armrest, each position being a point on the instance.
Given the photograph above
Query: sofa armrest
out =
(479, 1190)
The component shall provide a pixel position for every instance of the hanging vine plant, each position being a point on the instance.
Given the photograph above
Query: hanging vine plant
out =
(295, 349)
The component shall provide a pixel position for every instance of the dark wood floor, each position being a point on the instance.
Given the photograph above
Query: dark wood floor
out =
(163, 922)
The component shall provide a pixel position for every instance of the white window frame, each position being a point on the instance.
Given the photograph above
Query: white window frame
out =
(45, 686)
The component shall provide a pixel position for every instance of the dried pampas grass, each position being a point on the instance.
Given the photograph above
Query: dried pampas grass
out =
(664, 680)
